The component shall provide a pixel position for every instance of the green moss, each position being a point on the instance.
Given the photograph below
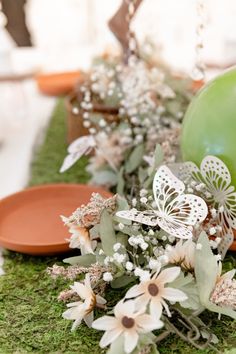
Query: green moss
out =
(30, 315)
(49, 158)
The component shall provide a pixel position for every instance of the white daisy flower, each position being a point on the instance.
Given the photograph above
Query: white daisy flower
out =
(127, 323)
(182, 254)
(80, 238)
(83, 310)
(154, 292)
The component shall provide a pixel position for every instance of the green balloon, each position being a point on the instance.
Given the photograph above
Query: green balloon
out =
(209, 125)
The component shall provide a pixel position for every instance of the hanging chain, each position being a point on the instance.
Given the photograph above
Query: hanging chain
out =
(132, 43)
(198, 72)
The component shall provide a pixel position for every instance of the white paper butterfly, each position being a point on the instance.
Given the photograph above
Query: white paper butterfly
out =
(176, 212)
(79, 147)
(217, 179)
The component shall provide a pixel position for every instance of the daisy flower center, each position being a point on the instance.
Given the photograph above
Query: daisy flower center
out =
(153, 289)
(128, 322)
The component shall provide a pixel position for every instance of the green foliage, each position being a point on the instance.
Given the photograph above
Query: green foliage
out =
(107, 233)
(30, 314)
(134, 159)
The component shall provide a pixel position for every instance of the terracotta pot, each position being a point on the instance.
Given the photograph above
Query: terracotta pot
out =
(75, 127)
(30, 220)
(233, 246)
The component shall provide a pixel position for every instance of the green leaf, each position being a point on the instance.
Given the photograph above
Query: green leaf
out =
(105, 177)
(135, 159)
(142, 174)
(122, 281)
(121, 182)
(206, 271)
(117, 347)
(158, 158)
(107, 233)
(188, 285)
(84, 261)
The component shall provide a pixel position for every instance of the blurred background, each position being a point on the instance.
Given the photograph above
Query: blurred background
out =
(46, 36)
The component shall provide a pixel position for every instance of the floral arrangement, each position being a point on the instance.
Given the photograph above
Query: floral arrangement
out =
(163, 249)
(145, 107)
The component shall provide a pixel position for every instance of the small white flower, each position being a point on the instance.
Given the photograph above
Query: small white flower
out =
(121, 226)
(107, 276)
(143, 192)
(138, 271)
(199, 246)
(154, 264)
(127, 323)
(144, 245)
(154, 292)
(129, 266)
(143, 200)
(212, 231)
(117, 246)
(79, 310)
(120, 258)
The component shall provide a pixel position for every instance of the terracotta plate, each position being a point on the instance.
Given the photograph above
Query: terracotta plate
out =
(30, 220)
(59, 83)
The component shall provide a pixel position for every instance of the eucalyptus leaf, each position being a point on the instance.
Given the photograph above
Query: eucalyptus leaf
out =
(117, 347)
(135, 159)
(188, 285)
(121, 182)
(84, 261)
(105, 177)
(122, 281)
(142, 174)
(206, 271)
(107, 233)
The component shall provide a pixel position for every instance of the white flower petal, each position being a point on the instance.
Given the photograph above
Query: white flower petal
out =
(131, 341)
(100, 300)
(124, 308)
(87, 282)
(155, 308)
(135, 291)
(174, 295)
(147, 323)
(141, 303)
(74, 312)
(229, 275)
(88, 319)
(81, 290)
(109, 337)
(168, 275)
(105, 323)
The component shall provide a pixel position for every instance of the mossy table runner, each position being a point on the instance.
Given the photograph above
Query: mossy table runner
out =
(30, 314)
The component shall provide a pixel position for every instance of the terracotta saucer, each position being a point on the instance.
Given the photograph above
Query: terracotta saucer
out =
(30, 220)
(59, 83)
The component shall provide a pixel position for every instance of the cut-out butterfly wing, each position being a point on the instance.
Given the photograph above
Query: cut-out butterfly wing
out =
(175, 206)
(76, 150)
(175, 212)
(147, 217)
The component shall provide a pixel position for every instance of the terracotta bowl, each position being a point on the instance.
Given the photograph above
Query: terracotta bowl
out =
(30, 220)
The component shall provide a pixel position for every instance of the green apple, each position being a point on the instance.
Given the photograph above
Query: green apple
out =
(209, 126)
